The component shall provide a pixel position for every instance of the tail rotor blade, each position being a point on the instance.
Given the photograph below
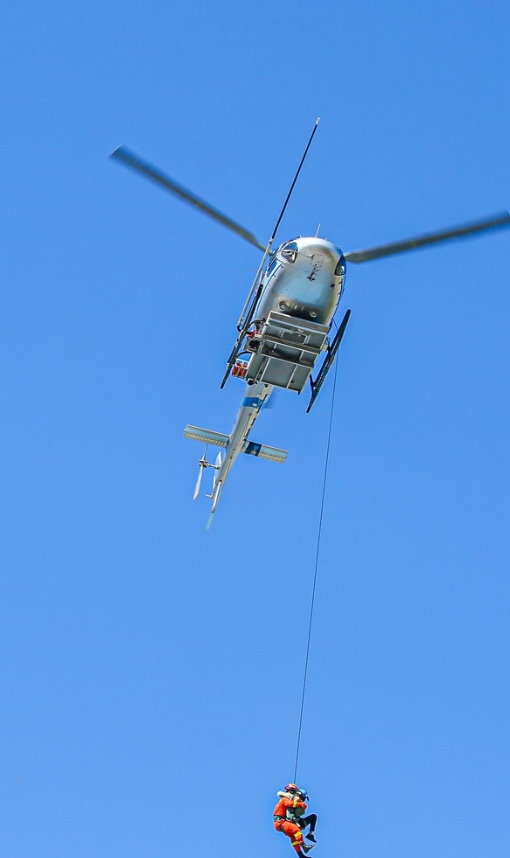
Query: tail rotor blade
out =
(199, 480)
(217, 466)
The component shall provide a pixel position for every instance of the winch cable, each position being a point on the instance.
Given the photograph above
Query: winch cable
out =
(314, 586)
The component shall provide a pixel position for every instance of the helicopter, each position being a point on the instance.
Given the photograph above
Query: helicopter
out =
(287, 318)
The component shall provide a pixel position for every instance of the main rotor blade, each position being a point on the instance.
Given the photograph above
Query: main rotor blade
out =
(495, 222)
(130, 160)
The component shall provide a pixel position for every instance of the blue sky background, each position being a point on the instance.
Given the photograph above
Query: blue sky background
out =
(151, 671)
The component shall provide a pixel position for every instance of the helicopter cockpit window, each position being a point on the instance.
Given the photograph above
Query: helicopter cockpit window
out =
(340, 267)
(289, 251)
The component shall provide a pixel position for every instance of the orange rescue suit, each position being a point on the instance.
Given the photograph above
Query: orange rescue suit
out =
(291, 829)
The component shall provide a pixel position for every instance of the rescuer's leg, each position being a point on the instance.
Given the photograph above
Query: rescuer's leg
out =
(290, 829)
(296, 838)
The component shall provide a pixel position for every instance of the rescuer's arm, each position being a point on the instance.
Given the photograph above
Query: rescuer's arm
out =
(294, 804)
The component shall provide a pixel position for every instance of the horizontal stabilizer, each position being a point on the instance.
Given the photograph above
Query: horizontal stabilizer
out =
(265, 452)
(207, 436)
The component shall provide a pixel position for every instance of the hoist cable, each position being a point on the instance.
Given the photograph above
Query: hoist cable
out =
(314, 586)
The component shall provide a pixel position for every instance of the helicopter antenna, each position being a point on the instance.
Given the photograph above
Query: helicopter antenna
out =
(305, 153)
(244, 320)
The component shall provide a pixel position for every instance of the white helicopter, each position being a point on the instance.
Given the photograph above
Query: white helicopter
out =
(286, 320)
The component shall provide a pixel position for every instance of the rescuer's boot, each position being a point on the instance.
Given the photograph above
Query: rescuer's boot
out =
(307, 847)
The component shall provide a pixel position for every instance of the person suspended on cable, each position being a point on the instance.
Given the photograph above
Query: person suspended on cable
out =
(309, 821)
(290, 820)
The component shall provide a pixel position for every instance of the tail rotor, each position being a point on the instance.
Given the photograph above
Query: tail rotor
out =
(202, 465)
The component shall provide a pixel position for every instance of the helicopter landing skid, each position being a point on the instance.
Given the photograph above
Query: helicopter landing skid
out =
(328, 361)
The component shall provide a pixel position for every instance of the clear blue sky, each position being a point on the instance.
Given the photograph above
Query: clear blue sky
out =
(151, 670)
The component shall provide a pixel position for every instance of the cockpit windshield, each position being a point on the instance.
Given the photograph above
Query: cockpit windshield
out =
(340, 266)
(289, 251)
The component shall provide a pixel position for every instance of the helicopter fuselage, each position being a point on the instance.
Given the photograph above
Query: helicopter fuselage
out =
(286, 320)
(303, 279)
